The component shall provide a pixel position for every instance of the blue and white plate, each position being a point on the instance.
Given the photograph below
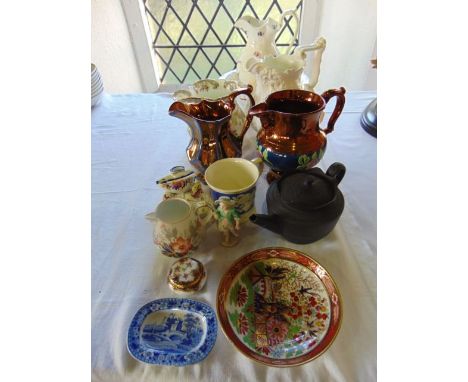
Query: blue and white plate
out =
(172, 331)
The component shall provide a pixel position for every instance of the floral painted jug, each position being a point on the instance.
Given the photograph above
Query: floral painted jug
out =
(275, 73)
(261, 36)
(179, 225)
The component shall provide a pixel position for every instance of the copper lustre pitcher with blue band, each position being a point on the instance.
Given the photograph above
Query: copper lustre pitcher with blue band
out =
(291, 137)
(209, 124)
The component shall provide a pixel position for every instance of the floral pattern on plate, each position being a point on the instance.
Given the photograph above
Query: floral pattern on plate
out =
(279, 307)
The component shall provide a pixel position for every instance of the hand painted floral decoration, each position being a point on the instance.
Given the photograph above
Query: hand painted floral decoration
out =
(187, 275)
(228, 221)
(278, 310)
(176, 242)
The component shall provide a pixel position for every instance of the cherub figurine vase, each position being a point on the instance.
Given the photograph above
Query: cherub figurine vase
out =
(228, 221)
(232, 182)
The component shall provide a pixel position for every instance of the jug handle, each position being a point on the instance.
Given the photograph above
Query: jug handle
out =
(247, 91)
(209, 218)
(231, 97)
(318, 48)
(254, 111)
(340, 102)
(290, 12)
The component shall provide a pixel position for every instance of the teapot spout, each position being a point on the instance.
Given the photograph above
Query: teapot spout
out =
(269, 222)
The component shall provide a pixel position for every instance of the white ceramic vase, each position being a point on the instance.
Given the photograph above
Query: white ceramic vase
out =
(284, 71)
(260, 35)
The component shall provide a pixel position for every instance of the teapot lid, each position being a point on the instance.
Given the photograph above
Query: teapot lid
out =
(177, 172)
(307, 190)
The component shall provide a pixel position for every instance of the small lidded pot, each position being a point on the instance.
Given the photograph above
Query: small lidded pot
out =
(181, 183)
(186, 275)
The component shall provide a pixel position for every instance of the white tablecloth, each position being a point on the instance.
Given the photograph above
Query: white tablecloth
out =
(135, 142)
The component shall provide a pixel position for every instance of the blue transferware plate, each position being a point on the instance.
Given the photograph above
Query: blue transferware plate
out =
(172, 331)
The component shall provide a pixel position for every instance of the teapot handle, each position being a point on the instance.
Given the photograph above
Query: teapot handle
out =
(340, 102)
(337, 171)
(290, 12)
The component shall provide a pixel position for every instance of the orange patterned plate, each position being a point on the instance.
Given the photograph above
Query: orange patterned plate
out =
(279, 307)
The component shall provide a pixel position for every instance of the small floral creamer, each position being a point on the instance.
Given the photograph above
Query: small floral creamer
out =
(179, 238)
(177, 241)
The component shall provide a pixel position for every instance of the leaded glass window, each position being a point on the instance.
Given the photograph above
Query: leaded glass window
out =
(196, 39)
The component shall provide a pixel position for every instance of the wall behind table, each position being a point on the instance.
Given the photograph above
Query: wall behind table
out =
(350, 28)
(111, 48)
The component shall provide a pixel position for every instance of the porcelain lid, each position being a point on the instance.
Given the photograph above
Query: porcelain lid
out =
(177, 172)
(186, 275)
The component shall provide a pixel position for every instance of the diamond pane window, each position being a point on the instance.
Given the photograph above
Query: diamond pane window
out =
(197, 39)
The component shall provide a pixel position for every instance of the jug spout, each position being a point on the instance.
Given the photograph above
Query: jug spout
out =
(270, 222)
(151, 217)
(248, 24)
(180, 110)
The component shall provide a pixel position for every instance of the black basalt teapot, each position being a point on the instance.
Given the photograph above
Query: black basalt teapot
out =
(304, 205)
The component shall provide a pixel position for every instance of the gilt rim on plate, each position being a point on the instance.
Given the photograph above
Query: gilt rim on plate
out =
(302, 260)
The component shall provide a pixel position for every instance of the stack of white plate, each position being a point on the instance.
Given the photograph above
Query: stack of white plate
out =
(97, 87)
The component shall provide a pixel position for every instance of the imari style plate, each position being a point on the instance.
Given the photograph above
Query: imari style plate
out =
(172, 331)
(279, 307)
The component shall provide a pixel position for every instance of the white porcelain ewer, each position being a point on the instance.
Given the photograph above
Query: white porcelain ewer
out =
(260, 43)
(274, 73)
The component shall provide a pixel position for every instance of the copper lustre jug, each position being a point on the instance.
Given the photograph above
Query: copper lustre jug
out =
(291, 137)
(209, 124)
